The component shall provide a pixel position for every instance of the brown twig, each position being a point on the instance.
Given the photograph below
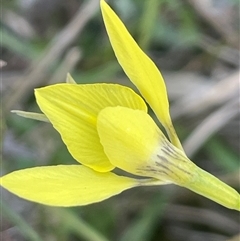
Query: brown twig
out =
(37, 71)
(216, 17)
(222, 52)
(201, 216)
(235, 238)
(200, 100)
(68, 64)
(211, 125)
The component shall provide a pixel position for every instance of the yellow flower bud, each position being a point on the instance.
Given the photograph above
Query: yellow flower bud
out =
(133, 142)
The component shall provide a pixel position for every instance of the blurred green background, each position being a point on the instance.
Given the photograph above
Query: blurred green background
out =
(196, 46)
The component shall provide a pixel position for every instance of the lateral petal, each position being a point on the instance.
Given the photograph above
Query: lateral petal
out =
(73, 110)
(65, 185)
(139, 68)
(128, 142)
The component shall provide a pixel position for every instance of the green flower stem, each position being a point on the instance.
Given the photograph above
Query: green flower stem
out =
(149, 19)
(78, 226)
(21, 224)
(173, 165)
(211, 187)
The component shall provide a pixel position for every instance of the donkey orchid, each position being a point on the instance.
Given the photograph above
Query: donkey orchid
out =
(105, 126)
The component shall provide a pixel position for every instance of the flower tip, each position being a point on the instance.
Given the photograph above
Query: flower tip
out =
(103, 5)
(36, 91)
(70, 79)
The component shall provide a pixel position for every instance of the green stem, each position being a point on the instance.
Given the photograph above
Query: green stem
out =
(78, 226)
(211, 187)
(170, 163)
(21, 224)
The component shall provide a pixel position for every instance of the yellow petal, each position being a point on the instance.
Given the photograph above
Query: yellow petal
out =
(140, 69)
(129, 138)
(31, 115)
(133, 142)
(65, 185)
(73, 110)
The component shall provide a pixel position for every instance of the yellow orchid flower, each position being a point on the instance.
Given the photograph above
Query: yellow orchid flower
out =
(105, 126)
